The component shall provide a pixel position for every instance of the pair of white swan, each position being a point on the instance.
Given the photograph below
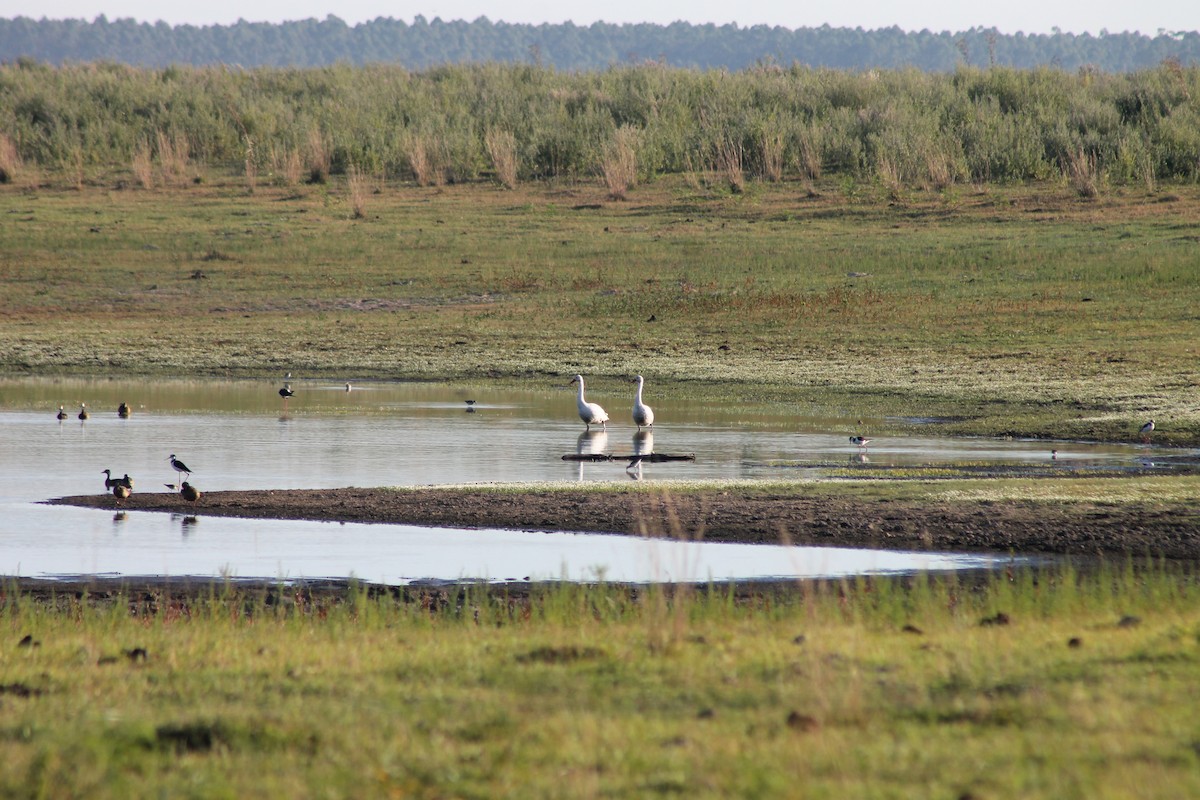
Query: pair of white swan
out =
(593, 414)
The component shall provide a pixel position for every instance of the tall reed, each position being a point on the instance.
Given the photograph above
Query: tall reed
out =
(619, 162)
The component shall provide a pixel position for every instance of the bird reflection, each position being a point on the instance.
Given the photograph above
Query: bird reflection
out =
(634, 470)
(643, 443)
(860, 458)
(591, 443)
(120, 517)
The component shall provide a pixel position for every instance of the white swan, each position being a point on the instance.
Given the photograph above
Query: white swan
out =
(642, 413)
(590, 413)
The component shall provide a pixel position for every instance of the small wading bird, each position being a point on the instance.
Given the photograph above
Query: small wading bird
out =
(189, 493)
(590, 413)
(83, 412)
(642, 413)
(123, 411)
(62, 413)
(285, 393)
(860, 441)
(1146, 429)
(178, 465)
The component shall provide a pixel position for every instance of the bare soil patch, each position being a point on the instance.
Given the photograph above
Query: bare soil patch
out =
(1079, 528)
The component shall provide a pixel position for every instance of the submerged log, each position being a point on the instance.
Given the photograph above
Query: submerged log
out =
(653, 458)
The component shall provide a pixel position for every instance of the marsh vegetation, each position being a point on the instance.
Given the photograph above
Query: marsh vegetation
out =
(1052, 684)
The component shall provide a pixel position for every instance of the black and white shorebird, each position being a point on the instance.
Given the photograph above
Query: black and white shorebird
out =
(178, 465)
(1146, 430)
(860, 441)
(590, 413)
(643, 415)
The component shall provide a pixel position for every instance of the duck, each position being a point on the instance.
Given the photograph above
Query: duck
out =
(123, 411)
(62, 413)
(109, 480)
(189, 493)
(643, 415)
(590, 413)
(83, 412)
(121, 492)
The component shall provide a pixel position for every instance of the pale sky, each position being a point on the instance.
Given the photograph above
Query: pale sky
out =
(1009, 16)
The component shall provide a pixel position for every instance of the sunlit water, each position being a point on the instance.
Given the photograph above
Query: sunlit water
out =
(239, 435)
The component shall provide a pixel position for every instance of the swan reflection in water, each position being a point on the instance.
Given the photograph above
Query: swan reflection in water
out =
(643, 445)
(591, 443)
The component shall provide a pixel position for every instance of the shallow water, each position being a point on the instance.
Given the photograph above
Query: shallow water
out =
(238, 435)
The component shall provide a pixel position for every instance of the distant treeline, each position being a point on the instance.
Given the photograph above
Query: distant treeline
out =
(625, 124)
(423, 44)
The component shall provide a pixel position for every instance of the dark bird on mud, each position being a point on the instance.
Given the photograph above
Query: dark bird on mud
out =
(62, 413)
(126, 481)
(178, 465)
(189, 493)
(121, 492)
(109, 480)
(1146, 429)
(123, 411)
(83, 412)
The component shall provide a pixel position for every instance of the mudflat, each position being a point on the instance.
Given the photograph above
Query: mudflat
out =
(1160, 529)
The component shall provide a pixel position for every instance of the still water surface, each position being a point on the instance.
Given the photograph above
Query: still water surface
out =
(239, 435)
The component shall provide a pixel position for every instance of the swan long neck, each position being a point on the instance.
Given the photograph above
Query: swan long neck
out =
(580, 382)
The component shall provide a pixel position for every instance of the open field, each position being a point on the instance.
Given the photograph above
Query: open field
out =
(1004, 309)
(1037, 685)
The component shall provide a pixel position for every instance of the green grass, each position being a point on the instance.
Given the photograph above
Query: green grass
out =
(1018, 310)
(586, 691)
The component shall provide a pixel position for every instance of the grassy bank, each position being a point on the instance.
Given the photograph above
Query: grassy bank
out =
(1022, 309)
(1033, 685)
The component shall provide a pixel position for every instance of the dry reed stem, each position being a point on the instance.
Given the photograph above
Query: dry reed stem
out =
(317, 156)
(251, 167)
(143, 165)
(502, 149)
(772, 157)
(729, 164)
(10, 159)
(1083, 173)
(356, 184)
(423, 162)
(810, 157)
(173, 156)
(619, 162)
